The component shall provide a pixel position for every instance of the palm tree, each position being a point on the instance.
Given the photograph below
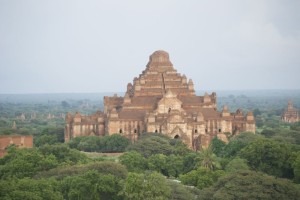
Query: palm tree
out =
(208, 159)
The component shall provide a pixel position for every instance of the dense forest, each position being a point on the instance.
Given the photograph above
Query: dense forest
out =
(265, 165)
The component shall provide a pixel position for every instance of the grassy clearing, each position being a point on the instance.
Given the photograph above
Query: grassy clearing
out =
(103, 156)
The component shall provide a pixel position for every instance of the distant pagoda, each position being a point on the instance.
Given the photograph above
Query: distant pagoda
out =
(290, 115)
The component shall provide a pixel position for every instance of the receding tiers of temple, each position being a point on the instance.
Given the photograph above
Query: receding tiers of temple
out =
(290, 115)
(161, 100)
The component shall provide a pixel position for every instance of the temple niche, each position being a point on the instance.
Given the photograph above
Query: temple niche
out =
(164, 101)
(290, 115)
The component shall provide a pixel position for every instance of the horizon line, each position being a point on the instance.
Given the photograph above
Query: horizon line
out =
(217, 90)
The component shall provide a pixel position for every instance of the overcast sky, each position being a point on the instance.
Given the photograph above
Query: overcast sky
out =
(99, 46)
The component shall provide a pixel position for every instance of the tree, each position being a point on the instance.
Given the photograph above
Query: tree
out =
(91, 185)
(174, 165)
(201, 178)
(50, 135)
(208, 159)
(236, 164)
(145, 186)
(20, 163)
(115, 143)
(217, 146)
(239, 142)
(268, 132)
(190, 161)
(295, 126)
(64, 154)
(150, 145)
(181, 192)
(103, 167)
(89, 144)
(109, 143)
(157, 162)
(30, 189)
(133, 161)
(295, 160)
(269, 156)
(133, 188)
(256, 112)
(259, 121)
(251, 185)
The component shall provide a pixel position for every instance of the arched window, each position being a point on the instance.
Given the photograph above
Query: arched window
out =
(220, 130)
(206, 130)
(196, 131)
(120, 131)
(155, 131)
(135, 131)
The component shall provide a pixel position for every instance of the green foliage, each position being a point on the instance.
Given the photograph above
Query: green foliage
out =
(236, 164)
(217, 146)
(133, 161)
(190, 161)
(256, 112)
(239, 142)
(158, 162)
(251, 185)
(21, 163)
(174, 165)
(152, 143)
(259, 121)
(208, 159)
(64, 154)
(269, 156)
(49, 136)
(295, 161)
(113, 143)
(268, 132)
(86, 143)
(103, 167)
(145, 186)
(295, 127)
(181, 192)
(90, 185)
(283, 134)
(29, 189)
(201, 178)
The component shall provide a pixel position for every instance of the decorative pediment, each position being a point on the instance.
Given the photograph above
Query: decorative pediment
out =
(169, 102)
(175, 119)
(177, 131)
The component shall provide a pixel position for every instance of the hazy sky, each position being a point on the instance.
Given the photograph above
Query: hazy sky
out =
(99, 46)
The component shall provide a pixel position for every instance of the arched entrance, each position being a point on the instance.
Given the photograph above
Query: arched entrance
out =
(176, 137)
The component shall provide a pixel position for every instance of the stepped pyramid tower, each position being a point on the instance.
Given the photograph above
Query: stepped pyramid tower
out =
(291, 114)
(164, 101)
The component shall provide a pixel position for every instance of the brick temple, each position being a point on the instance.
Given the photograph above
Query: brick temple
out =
(20, 141)
(290, 115)
(164, 101)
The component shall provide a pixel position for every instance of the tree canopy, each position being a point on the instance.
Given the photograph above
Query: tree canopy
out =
(251, 185)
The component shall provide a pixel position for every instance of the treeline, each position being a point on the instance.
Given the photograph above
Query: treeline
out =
(250, 166)
(110, 143)
(58, 172)
(264, 165)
